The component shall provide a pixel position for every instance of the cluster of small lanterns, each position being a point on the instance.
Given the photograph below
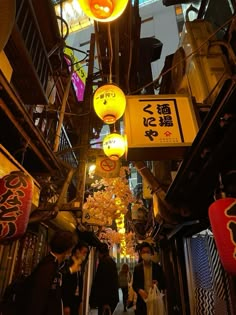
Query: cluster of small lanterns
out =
(109, 104)
(109, 100)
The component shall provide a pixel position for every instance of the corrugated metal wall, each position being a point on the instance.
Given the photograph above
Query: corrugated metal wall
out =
(208, 283)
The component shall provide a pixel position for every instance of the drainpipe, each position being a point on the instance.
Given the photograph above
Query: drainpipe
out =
(167, 211)
(63, 108)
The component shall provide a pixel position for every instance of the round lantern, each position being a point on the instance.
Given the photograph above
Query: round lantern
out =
(114, 146)
(109, 103)
(103, 10)
(222, 214)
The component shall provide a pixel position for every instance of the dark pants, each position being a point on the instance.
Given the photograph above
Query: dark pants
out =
(141, 309)
(74, 307)
(125, 295)
(100, 309)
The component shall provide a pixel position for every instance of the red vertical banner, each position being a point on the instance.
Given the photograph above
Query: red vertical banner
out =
(16, 192)
(222, 214)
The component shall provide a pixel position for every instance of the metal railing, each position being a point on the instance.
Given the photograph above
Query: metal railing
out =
(27, 24)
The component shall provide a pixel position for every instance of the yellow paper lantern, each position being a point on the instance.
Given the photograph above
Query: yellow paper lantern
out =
(109, 103)
(114, 146)
(103, 10)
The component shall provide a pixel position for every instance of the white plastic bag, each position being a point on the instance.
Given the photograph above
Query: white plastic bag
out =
(154, 302)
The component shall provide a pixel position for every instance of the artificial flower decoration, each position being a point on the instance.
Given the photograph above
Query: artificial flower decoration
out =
(111, 198)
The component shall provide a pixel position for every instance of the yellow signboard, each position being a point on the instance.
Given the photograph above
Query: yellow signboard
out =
(147, 191)
(77, 65)
(79, 75)
(159, 121)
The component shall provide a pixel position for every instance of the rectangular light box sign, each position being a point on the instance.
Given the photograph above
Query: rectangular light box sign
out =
(159, 126)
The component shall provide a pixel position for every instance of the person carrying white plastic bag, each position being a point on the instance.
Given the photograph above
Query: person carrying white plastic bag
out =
(154, 302)
(146, 274)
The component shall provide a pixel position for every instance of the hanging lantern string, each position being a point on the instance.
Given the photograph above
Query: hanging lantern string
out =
(111, 51)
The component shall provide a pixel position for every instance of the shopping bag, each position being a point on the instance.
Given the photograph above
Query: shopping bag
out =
(132, 297)
(154, 302)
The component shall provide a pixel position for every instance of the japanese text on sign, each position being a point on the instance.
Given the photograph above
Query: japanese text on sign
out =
(160, 121)
(11, 202)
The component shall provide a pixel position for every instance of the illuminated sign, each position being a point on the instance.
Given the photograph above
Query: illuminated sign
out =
(165, 125)
(106, 167)
(16, 191)
(78, 76)
(9, 164)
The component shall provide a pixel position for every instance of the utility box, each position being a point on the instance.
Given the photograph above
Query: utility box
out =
(200, 67)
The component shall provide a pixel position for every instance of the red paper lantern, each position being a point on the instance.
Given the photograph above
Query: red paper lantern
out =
(16, 192)
(222, 214)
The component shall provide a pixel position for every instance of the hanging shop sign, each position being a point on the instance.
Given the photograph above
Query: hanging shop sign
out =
(159, 126)
(79, 75)
(222, 214)
(92, 218)
(147, 190)
(16, 192)
(106, 167)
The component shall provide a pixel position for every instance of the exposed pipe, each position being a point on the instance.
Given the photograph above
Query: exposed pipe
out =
(153, 183)
(63, 108)
(167, 211)
(52, 210)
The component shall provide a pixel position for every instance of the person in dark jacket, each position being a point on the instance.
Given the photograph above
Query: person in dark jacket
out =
(72, 284)
(104, 292)
(46, 279)
(146, 273)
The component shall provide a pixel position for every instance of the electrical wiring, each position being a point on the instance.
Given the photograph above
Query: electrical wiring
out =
(181, 60)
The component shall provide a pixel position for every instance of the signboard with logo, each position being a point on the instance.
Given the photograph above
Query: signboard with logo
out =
(159, 126)
(79, 75)
(90, 218)
(106, 167)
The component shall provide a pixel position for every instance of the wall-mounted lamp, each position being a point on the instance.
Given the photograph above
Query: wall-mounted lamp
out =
(109, 103)
(114, 146)
(103, 10)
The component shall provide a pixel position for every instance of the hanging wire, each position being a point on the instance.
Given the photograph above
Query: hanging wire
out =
(111, 51)
(69, 114)
(181, 60)
(80, 51)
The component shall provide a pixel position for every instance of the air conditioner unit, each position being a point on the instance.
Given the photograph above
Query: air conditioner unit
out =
(199, 67)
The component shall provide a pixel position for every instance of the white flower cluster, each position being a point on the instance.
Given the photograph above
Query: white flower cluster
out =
(111, 199)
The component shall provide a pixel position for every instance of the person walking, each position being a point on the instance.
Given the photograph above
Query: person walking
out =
(72, 283)
(146, 273)
(124, 279)
(104, 292)
(44, 296)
